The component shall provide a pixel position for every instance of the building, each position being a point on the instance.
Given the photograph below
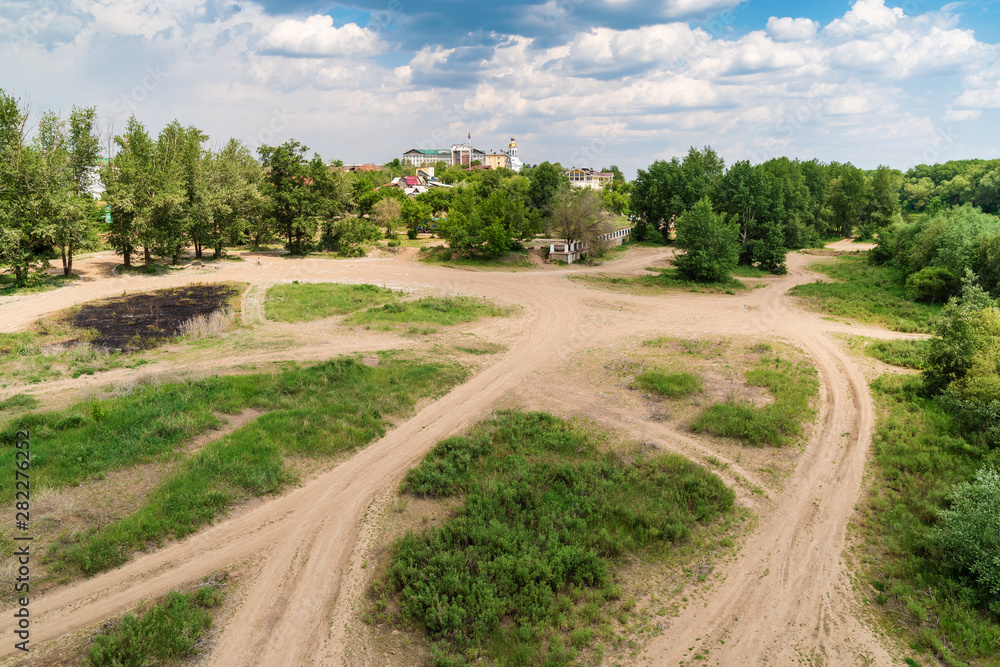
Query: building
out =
(513, 162)
(427, 157)
(584, 177)
(464, 155)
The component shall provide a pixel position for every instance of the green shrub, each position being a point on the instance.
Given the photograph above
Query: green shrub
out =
(547, 518)
(932, 284)
(971, 531)
(166, 632)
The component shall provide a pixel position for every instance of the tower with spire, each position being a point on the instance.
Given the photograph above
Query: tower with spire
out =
(513, 162)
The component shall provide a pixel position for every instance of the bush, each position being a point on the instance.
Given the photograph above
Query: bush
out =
(932, 284)
(971, 532)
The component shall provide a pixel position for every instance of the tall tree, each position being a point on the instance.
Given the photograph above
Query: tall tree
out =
(129, 190)
(753, 197)
(710, 243)
(668, 189)
(578, 215)
(233, 196)
(20, 183)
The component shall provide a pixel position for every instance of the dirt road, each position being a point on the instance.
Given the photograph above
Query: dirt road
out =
(785, 600)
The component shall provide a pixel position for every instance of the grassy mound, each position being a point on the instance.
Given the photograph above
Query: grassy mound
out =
(522, 573)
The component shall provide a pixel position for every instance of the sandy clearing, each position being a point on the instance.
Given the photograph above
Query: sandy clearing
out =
(785, 598)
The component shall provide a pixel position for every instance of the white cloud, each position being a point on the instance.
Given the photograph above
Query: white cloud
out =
(316, 36)
(789, 29)
(962, 114)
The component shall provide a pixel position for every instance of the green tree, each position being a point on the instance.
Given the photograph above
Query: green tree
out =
(232, 194)
(710, 243)
(970, 531)
(849, 194)
(293, 205)
(129, 189)
(753, 197)
(546, 180)
(667, 189)
(578, 214)
(414, 214)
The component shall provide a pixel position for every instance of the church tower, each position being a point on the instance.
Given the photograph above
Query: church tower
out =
(513, 162)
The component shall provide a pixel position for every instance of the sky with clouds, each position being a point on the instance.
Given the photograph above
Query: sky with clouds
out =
(582, 82)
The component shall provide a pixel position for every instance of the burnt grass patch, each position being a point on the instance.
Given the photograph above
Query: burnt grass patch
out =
(145, 320)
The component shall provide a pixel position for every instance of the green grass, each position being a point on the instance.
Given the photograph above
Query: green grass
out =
(522, 572)
(750, 272)
(515, 259)
(671, 385)
(903, 353)
(665, 280)
(39, 283)
(316, 411)
(163, 633)
(792, 384)
(19, 401)
(917, 460)
(315, 301)
(868, 294)
(429, 310)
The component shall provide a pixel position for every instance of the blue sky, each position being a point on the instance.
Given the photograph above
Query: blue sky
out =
(581, 82)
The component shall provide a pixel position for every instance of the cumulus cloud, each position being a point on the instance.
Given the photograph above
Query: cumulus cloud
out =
(791, 30)
(317, 37)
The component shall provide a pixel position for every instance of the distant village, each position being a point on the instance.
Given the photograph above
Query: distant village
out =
(425, 160)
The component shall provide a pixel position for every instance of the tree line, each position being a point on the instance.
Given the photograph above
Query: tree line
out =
(759, 212)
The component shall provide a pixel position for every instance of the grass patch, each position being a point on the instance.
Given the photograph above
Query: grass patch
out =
(665, 280)
(903, 353)
(749, 272)
(514, 259)
(162, 633)
(917, 460)
(25, 401)
(315, 301)
(792, 384)
(522, 573)
(429, 310)
(316, 411)
(671, 385)
(866, 293)
(38, 283)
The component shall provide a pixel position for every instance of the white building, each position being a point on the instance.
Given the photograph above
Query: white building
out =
(584, 177)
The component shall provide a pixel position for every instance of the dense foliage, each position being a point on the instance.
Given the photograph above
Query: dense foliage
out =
(546, 513)
(711, 244)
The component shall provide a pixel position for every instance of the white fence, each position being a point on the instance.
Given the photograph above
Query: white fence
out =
(570, 252)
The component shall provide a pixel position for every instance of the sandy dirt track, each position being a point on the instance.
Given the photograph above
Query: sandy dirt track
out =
(786, 600)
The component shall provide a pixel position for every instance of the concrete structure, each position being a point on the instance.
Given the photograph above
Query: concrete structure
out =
(584, 177)
(570, 252)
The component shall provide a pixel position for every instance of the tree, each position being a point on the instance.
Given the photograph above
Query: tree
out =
(849, 194)
(386, 213)
(578, 214)
(20, 180)
(970, 532)
(233, 197)
(710, 243)
(292, 206)
(968, 324)
(128, 189)
(752, 196)
(667, 189)
(492, 224)
(414, 214)
(546, 180)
